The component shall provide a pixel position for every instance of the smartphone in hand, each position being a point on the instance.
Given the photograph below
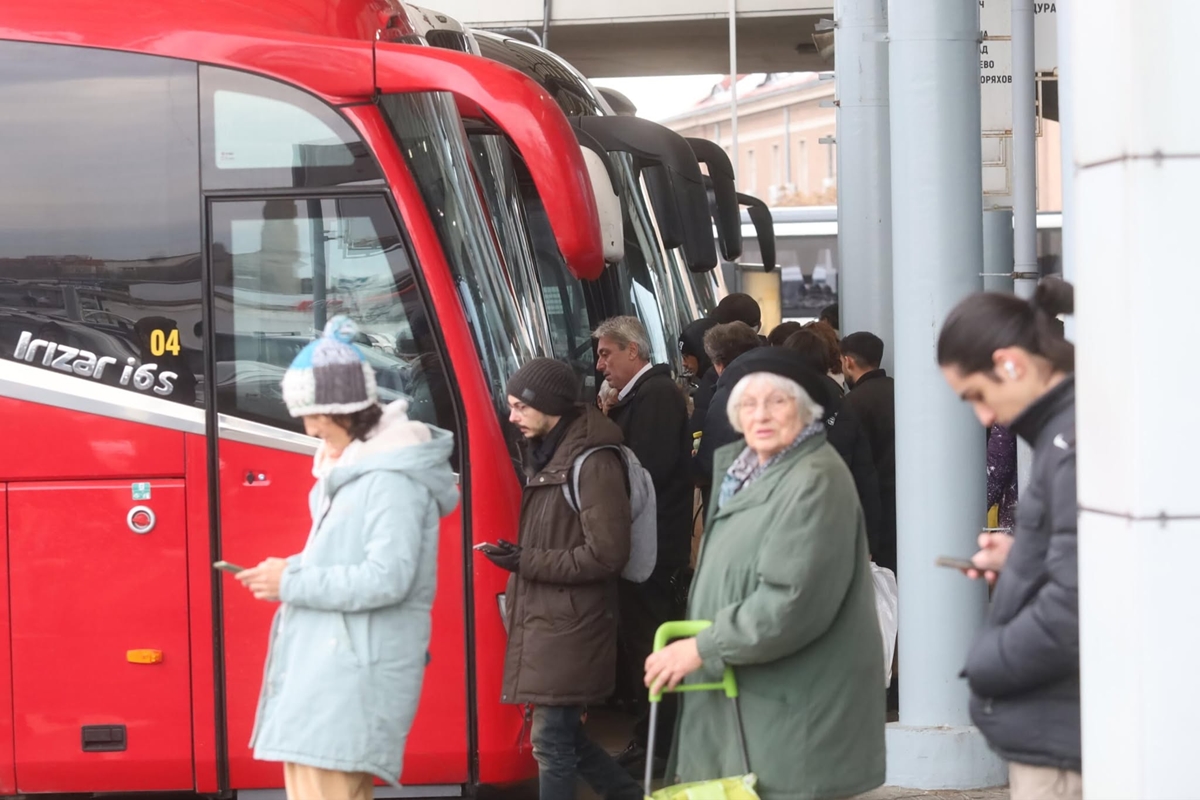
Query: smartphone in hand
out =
(955, 563)
(225, 566)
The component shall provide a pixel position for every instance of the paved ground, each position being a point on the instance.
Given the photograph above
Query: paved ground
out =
(896, 793)
(612, 731)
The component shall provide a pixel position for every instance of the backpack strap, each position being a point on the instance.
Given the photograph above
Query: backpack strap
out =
(571, 488)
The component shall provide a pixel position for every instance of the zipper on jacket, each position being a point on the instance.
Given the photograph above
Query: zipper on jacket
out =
(526, 727)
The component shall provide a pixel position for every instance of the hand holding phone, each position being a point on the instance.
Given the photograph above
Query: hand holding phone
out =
(483, 545)
(225, 566)
(963, 564)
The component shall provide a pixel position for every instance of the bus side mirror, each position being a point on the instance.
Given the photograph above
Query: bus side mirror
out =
(726, 211)
(764, 228)
(608, 197)
(673, 178)
(608, 205)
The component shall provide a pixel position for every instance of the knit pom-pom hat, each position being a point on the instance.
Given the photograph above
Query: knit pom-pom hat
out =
(330, 375)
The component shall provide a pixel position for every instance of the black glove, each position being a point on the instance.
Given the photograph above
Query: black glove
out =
(504, 555)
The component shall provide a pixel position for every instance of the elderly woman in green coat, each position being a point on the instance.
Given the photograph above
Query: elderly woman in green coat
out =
(784, 576)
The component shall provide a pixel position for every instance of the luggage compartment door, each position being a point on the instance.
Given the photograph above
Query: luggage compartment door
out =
(101, 690)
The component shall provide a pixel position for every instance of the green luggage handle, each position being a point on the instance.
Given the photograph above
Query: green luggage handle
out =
(686, 629)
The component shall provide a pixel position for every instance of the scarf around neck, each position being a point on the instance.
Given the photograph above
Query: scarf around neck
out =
(747, 468)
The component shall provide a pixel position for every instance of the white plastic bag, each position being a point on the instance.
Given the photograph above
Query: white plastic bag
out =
(887, 601)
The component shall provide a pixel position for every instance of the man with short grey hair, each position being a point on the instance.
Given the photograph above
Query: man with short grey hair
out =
(652, 413)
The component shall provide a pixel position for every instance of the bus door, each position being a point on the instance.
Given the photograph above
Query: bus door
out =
(301, 228)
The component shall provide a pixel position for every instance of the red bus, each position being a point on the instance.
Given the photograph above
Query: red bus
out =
(189, 190)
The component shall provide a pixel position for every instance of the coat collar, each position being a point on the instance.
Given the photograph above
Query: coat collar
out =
(761, 490)
(653, 372)
(870, 376)
(1030, 423)
(590, 429)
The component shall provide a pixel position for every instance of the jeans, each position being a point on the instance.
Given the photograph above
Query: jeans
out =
(563, 751)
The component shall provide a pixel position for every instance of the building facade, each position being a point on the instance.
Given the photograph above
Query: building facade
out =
(787, 128)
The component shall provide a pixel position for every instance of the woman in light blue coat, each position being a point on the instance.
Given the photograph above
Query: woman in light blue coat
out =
(348, 645)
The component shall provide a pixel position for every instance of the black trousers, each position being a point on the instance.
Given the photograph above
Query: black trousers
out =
(644, 607)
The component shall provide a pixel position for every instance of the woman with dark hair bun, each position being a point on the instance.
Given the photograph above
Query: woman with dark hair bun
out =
(1008, 359)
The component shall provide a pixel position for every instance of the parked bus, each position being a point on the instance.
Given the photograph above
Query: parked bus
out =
(806, 244)
(190, 190)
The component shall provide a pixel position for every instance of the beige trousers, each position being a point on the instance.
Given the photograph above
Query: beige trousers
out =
(1043, 783)
(310, 783)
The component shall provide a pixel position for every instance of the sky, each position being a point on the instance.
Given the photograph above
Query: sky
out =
(661, 97)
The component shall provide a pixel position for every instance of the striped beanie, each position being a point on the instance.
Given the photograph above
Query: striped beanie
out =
(330, 375)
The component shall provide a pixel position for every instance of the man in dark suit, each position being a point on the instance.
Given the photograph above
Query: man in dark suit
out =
(873, 398)
(651, 411)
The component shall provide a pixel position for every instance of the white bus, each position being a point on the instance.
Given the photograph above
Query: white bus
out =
(806, 250)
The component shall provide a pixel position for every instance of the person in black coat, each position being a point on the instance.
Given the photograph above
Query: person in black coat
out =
(702, 378)
(1003, 355)
(724, 345)
(873, 397)
(651, 411)
(845, 432)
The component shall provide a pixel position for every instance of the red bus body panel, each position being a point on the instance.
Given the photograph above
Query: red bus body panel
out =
(81, 599)
(8, 775)
(200, 617)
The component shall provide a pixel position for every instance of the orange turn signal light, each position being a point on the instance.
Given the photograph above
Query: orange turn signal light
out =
(144, 656)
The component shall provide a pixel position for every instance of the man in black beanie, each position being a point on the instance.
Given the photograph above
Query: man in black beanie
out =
(562, 596)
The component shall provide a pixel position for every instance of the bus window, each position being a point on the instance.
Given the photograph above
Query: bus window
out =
(431, 137)
(493, 160)
(643, 274)
(564, 297)
(281, 267)
(260, 134)
(807, 271)
(100, 232)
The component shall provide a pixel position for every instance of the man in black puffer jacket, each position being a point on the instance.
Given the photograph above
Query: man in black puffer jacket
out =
(1024, 667)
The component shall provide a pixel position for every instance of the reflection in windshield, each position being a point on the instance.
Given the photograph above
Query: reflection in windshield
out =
(433, 142)
(643, 265)
(493, 162)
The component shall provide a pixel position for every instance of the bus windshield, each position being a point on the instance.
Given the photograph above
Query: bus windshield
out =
(430, 134)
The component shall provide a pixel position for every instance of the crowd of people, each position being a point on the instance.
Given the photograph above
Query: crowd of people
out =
(784, 446)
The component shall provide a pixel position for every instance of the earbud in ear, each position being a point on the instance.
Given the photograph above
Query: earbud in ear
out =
(1010, 369)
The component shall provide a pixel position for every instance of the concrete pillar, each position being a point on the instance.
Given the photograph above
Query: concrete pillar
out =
(1066, 127)
(937, 251)
(998, 251)
(1136, 144)
(1024, 99)
(864, 170)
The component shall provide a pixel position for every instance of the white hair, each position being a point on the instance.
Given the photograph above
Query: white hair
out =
(624, 331)
(808, 409)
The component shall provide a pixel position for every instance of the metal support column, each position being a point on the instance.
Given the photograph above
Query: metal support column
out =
(998, 251)
(1024, 97)
(937, 252)
(1136, 147)
(1066, 122)
(864, 169)
(733, 82)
